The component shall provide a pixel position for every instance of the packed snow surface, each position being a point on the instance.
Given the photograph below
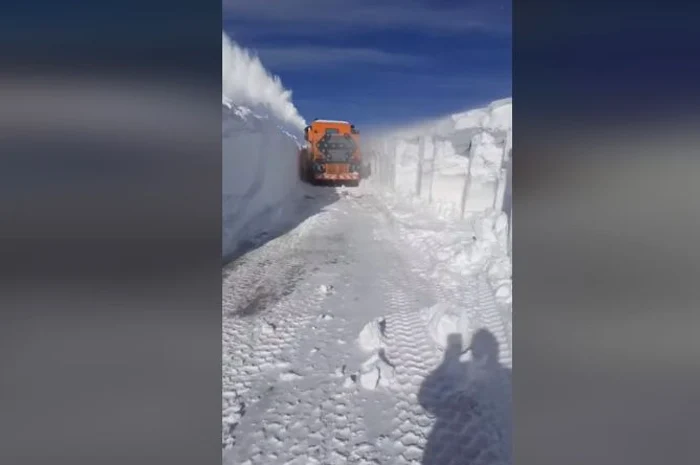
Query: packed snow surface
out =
(345, 342)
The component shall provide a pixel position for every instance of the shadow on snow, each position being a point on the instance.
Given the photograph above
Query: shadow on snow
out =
(472, 405)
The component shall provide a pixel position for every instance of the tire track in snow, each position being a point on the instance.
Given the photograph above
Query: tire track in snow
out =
(256, 350)
(325, 414)
(314, 418)
(414, 357)
(478, 436)
(473, 293)
(265, 306)
(467, 427)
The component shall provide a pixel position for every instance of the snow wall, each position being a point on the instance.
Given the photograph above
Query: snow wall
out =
(261, 133)
(458, 165)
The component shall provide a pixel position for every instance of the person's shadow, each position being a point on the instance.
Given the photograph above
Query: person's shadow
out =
(472, 402)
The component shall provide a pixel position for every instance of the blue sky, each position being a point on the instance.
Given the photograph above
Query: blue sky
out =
(380, 61)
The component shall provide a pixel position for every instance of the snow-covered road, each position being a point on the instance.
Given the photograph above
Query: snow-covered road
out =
(342, 342)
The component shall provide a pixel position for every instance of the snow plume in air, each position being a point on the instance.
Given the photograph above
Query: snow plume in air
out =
(246, 81)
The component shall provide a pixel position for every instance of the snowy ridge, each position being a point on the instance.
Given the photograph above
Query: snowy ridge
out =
(497, 116)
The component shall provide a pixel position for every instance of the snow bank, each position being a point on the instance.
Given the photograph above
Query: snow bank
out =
(459, 165)
(260, 185)
(260, 138)
(459, 169)
(464, 248)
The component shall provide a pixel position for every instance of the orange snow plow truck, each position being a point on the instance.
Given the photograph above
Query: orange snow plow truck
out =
(331, 154)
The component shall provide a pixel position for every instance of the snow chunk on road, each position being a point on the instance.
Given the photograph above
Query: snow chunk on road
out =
(372, 335)
(325, 289)
(265, 328)
(290, 375)
(233, 411)
(504, 293)
(461, 254)
(500, 277)
(377, 371)
(303, 460)
(444, 320)
(369, 379)
(500, 271)
(349, 381)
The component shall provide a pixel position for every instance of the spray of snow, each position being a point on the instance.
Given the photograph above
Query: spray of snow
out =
(246, 81)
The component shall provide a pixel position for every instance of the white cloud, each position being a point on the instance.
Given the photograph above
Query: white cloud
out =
(317, 56)
(312, 17)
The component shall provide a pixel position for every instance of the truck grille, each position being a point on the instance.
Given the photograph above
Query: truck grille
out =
(336, 148)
